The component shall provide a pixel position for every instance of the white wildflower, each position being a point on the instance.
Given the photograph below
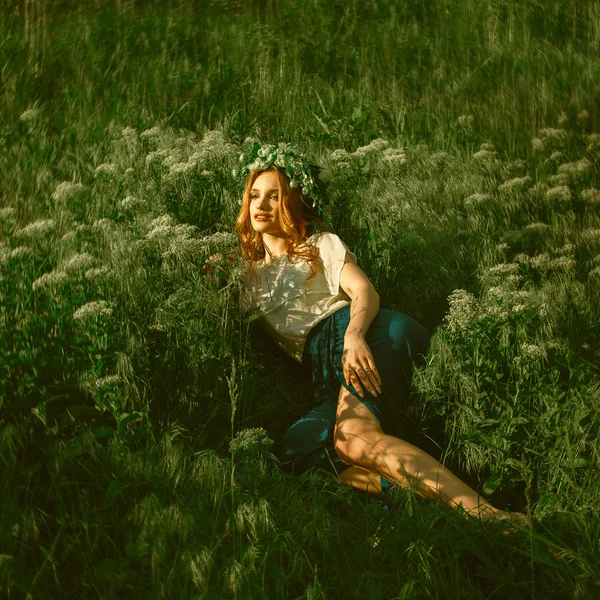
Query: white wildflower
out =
(593, 141)
(223, 239)
(503, 247)
(394, 156)
(497, 312)
(339, 154)
(181, 168)
(92, 309)
(487, 147)
(104, 224)
(98, 273)
(476, 199)
(439, 158)
(485, 156)
(576, 170)
(21, 253)
(157, 157)
(107, 382)
(129, 171)
(108, 169)
(568, 248)
(160, 226)
(515, 185)
(591, 196)
(68, 237)
(540, 260)
(552, 135)
(536, 228)
(376, 145)
(537, 145)
(563, 119)
(184, 247)
(31, 114)
(533, 351)
(591, 237)
(559, 179)
(495, 293)
(129, 203)
(50, 280)
(36, 229)
(503, 269)
(173, 158)
(66, 190)
(129, 132)
(556, 344)
(513, 279)
(153, 132)
(522, 258)
(463, 309)
(563, 263)
(518, 308)
(594, 273)
(520, 296)
(561, 193)
(78, 262)
(8, 213)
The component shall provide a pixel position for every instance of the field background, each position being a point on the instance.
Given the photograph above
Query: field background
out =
(140, 410)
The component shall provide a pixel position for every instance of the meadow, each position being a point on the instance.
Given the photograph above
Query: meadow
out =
(141, 409)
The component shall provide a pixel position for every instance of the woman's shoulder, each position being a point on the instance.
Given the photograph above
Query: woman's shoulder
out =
(323, 237)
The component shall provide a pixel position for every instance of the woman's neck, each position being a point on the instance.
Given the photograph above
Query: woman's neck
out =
(274, 247)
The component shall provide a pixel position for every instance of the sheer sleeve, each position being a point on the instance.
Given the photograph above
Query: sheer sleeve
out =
(333, 256)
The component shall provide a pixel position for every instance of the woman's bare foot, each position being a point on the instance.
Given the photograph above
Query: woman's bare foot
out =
(516, 517)
(487, 511)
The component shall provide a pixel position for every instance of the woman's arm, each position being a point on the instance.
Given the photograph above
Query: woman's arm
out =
(365, 299)
(363, 310)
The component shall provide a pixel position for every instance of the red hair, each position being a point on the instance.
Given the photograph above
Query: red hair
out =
(295, 219)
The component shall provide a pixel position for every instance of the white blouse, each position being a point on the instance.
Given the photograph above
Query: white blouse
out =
(287, 309)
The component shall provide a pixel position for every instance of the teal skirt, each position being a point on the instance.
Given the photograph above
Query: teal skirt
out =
(396, 342)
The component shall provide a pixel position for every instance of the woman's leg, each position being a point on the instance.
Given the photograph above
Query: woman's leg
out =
(360, 441)
(362, 480)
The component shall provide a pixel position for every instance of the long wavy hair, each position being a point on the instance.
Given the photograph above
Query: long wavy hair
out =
(296, 219)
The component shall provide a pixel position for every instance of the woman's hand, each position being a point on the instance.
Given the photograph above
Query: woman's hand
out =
(359, 366)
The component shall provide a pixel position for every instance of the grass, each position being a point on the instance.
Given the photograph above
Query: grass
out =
(139, 407)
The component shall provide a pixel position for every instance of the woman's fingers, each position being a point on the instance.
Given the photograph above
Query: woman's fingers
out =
(367, 379)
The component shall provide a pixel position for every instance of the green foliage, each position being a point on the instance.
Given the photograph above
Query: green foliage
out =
(140, 408)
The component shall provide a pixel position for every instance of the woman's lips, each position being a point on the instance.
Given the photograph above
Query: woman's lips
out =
(261, 218)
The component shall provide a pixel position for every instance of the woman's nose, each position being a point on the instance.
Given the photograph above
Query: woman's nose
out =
(264, 202)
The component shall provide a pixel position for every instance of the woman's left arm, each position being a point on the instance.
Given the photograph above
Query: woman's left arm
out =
(364, 307)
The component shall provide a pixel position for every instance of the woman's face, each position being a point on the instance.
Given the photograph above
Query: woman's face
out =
(265, 204)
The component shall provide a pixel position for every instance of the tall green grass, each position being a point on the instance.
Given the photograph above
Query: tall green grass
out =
(140, 409)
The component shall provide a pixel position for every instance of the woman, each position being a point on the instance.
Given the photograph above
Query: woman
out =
(320, 308)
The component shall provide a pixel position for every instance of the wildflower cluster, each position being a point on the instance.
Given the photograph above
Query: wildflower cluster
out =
(250, 441)
(577, 170)
(67, 190)
(78, 262)
(107, 170)
(37, 229)
(50, 280)
(463, 310)
(514, 186)
(477, 199)
(98, 308)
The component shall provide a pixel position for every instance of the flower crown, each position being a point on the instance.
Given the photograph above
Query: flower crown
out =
(285, 156)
